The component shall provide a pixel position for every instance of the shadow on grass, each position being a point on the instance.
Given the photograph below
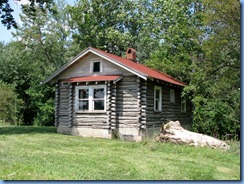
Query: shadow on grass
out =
(26, 130)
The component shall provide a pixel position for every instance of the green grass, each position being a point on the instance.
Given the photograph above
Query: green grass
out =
(38, 153)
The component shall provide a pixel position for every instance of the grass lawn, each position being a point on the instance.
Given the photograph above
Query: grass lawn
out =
(38, 153)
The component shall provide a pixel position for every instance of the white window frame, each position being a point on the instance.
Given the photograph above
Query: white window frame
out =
(159, 100)
(183, 104)
(92, 65)
(172, 95)
(90, 98)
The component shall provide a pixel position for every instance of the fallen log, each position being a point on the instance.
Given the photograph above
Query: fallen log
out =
(173, 132)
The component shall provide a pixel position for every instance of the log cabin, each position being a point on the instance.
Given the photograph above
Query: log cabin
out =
(99, 94)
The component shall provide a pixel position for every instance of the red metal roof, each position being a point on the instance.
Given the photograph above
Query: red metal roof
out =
(93, 78)
(141, 68)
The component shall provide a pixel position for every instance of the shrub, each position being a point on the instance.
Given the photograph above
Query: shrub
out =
(10, 105)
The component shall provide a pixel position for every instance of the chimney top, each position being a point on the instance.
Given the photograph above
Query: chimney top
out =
(131, 54)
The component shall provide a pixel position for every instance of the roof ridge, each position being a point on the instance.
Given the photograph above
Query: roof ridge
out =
(141, 68)
(134, 67)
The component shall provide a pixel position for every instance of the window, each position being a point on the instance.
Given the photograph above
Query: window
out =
(183, 104)
(172, 95)
(96, 66)
(90, 98)
(157, 98)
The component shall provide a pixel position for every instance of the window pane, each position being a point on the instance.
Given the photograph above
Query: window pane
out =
(157, 93)
(183, 105)
(156, 104)
(98, 93)
(172, 95)
(83, 93)
(98, 104)
(83, 105)
(96, 67)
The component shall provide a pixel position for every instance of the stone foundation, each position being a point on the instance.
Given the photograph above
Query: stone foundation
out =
(91, 132)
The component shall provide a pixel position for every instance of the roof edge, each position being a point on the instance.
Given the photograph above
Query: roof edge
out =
(61, 69)
(94, 51)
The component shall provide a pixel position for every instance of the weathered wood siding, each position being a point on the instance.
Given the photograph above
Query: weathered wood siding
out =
(170, 111)
(82, 68)
(127, 104)
(62, 111)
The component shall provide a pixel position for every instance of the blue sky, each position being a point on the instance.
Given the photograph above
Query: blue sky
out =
(5, 35)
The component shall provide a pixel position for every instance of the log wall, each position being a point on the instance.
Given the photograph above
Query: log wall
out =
(63, 118)
(127, 103)
(126, 108)
(170, 111)
(129, 108)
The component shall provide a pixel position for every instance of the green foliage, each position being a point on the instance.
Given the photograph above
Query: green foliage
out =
(38, 53)
(180, 44)
(10, 104)
(37, 153)
(201, 46)
(211, 117)
(7, 18)
(16, 68)
(114, 26)
(217, 98)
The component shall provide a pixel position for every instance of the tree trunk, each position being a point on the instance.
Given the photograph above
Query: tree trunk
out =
(173, 132)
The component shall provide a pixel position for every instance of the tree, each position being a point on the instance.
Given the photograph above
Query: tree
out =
(10, 104)
(180, 44)
(37, 53)
(48, 53)
(6, 10)
(114, 26)
(16, 69)
(200, 44)
(217, 103)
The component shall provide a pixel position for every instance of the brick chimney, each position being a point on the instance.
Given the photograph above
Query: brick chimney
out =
(131, 54)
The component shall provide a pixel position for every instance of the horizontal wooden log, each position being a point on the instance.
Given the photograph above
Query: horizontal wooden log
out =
(90, 123)
(132, 107)
(133, 102)
(89, 120)
(124, 110)
(127, 121)
(90, 115)
(127, 118)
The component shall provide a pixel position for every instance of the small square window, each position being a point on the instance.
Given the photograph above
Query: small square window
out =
(96, 66)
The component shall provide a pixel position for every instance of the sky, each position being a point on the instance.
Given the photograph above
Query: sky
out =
(5, 35)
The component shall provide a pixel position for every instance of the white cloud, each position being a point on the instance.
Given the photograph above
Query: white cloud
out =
(22, 2)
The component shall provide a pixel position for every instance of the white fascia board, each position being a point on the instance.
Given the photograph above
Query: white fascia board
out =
(139, 74)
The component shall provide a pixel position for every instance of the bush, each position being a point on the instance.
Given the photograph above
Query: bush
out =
(213, 117)
(10, 105)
